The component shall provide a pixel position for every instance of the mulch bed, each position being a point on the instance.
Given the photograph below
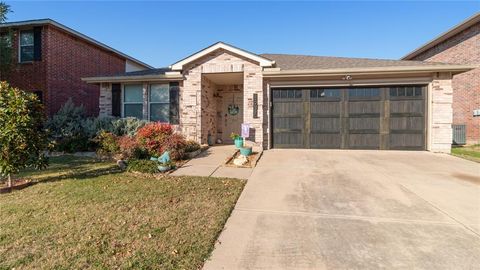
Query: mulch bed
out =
(251, 163)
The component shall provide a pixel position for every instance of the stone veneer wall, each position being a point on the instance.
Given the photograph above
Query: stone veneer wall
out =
(208, 109)
(441, 113)
(105, 100)
(220, 61)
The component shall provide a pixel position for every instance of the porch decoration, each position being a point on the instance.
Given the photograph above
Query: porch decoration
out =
(246, 151)
(165, 163)
(233, 109)
(237, 139)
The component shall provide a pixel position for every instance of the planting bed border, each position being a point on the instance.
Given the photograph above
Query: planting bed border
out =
(253, 163)
(16, 187)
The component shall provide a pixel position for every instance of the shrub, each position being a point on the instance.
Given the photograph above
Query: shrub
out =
(153, 136)
(129, 148)
(176, 145)
(91, 127)
(23, 138)
(67, 128)
(126, 126)
(143, 166)
(107, 143)
(192, 146)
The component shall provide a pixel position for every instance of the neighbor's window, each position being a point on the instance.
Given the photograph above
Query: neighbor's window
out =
(26, 46)
(159, 102)
(133, 100)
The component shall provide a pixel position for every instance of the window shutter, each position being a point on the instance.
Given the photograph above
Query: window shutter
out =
(37, 43)
(116, 100)
(174, 103)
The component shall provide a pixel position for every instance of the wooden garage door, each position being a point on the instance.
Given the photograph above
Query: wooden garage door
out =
(349, 118)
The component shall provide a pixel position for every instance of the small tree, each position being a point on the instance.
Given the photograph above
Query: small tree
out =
(23, 138)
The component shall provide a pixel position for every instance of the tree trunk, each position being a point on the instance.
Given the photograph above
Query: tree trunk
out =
(9, 182)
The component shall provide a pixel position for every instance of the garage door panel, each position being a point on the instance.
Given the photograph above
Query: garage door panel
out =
(325, 108)
(363, 107)
(364, 123)
(407, 141)
(364, 141)
(407, 123)
(288, 109)
(288, 123)
(325, 141)
(407, 106)
(325, 125)
(288, 139)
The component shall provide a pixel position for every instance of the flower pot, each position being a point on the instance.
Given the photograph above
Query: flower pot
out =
(239, 142)
(246, 151)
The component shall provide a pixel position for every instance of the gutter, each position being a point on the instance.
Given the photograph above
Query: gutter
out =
(455, 69)
(140, 78)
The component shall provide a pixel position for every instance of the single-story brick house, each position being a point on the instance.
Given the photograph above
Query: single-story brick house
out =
(292, 101)
(459, 45)
(50, 60)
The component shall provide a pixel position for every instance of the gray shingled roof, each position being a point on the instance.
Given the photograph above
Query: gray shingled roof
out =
(153, 71)
(301, 62)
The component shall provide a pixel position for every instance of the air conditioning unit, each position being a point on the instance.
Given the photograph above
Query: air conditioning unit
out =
(476, 112)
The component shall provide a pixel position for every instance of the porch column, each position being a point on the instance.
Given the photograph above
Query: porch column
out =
(105, 100)
(145, 101)
(441, 113)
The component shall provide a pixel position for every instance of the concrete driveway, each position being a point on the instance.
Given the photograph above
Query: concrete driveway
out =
(336, 209)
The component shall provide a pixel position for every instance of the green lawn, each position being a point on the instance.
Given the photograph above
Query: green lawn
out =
(87, 214)
(468, 152)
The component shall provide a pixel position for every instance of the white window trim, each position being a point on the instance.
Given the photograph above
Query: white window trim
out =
(123, 99)
(156, 102)
(20, 45)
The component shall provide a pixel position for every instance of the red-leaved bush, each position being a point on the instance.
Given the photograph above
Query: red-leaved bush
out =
(129, 147)
(176, 145)
(153, 136)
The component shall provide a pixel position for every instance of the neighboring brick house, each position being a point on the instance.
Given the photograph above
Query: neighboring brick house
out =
(50, 59)
(459, 45)
(292, 101)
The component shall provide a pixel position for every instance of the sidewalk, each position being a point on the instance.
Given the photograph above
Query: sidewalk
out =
(209, 163)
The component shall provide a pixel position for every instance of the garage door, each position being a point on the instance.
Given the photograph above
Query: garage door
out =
(349, 118)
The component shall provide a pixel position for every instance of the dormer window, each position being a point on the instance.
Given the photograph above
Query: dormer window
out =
(26, 46)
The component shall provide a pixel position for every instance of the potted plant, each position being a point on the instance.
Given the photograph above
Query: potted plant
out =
(237, 139)
(246, 151)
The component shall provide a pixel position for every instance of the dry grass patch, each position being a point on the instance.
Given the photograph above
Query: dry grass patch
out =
(118, 220)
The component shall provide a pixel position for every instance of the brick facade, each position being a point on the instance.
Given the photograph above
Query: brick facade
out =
(462, 48)
(65, 60)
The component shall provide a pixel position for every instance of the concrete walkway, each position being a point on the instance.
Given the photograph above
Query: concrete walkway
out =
(209, 163)
(338, 209)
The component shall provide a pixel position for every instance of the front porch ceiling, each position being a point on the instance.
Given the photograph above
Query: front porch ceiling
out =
(227, 78)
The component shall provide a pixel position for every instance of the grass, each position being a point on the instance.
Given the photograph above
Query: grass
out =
(85, 214)
(468, 152)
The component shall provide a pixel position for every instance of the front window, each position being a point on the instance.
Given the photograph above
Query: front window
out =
(159, 102)
(133, 101)
(26, 46)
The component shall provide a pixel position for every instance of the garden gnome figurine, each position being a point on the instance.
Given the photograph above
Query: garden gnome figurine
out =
(164, 158)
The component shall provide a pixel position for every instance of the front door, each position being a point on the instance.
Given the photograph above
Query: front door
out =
(230, 115)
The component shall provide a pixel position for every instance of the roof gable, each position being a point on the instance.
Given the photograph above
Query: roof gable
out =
(74, 33)
(263, 62)
(443, 37)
